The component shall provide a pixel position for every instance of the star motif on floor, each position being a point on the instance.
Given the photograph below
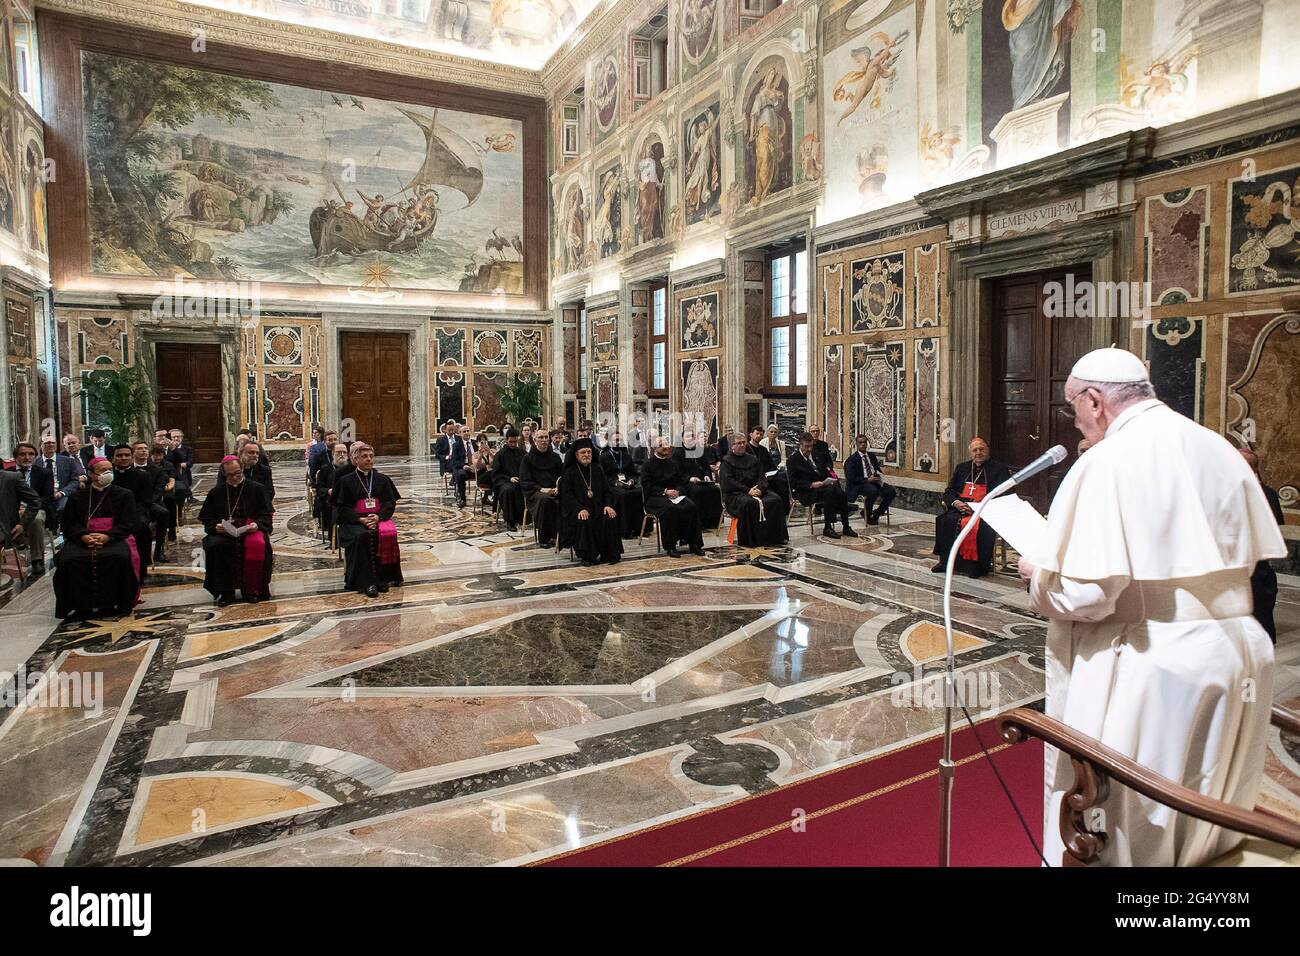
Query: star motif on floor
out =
(118, 630)
(755, 553)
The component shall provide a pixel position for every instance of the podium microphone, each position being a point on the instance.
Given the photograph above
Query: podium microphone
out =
(947, 769)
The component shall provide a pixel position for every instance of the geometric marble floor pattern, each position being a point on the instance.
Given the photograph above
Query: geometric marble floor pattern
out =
(505, 705)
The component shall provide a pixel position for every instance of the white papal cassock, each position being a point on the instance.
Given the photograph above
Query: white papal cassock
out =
(1151, 648)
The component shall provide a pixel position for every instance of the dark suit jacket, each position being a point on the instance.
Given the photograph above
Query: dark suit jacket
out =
(261, 474)
(855, 474)
(821, 453)
(68, 468)
(89, 451)
(458, 455)
(41, 480)
(803, 473)
(13, 492)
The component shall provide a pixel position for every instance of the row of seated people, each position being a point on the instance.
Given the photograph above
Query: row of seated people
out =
(120, 518)
(56, 474)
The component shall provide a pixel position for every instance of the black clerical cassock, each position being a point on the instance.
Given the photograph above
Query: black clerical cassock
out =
(620, 466)
(970, 482)
(541, 469)
(237, 562)
(509, 494)
(87, 578)
(760, 519)
(697, 466)
(372, 558)
(678, 522)
(584, 523)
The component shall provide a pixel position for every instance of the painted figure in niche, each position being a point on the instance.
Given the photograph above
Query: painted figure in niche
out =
(769, 137)
(1038, 33)
(1162, 91)
(810, 158)
(575, 233)
(650, 191)
(874, 65)
(609, 214)
(8, 177)
(697, 26)
(703, 178)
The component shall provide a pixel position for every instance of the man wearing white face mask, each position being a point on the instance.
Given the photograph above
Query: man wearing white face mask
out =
(96, 567)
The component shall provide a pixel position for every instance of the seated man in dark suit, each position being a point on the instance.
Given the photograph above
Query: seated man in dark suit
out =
(442, 447)
(971, 481)
(181, 457)
(95, 449)
(461, 451)
(862, 471)
(621, 471)
(815, 484)
(27, 479)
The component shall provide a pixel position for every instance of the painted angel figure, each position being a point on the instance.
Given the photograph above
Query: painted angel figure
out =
(1161, 91)
(702, 175)
(874, 66)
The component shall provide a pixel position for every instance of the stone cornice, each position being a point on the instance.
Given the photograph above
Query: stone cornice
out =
(1086, 165)
(226, 26)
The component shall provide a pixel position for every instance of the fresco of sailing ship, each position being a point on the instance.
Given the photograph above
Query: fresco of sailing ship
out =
(220, 177)
(399, 223)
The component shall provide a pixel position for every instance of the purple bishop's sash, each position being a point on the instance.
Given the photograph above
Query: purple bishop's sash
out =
(388, 550)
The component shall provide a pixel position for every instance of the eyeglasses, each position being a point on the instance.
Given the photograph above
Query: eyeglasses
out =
(1068, 410)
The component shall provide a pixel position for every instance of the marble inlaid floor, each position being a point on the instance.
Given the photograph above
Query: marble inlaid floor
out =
(502, 707)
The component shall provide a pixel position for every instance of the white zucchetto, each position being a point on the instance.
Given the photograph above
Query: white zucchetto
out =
(1110, 365)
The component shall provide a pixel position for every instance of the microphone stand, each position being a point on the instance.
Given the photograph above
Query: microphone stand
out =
(947, 769)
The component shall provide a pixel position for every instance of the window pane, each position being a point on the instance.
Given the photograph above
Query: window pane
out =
(801, 354)
(800, 283)
(582, 329)
(582, 371)
(658, 375)
(661, 296)
(780, 287)
(780, 357)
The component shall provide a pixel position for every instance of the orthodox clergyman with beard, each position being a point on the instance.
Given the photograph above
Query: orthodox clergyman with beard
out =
(236, 518)
(96, 568)
(366, 503)
(588, 518)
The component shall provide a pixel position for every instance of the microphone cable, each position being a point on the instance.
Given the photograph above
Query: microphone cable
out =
(1003, 784)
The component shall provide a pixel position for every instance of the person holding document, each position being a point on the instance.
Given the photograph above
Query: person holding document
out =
(1144, 576)
(236, 518)
(664, 485)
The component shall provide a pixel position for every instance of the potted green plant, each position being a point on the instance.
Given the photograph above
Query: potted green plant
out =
(122, 396)
(522, 399)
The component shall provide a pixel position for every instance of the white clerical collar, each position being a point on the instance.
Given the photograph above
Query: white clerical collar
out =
(1130, 413)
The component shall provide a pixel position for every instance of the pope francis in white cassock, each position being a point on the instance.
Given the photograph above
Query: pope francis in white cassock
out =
(1151, 647)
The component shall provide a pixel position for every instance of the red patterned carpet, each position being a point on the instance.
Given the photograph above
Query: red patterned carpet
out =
(883, 811)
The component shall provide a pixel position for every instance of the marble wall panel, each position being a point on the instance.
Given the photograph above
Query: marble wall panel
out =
(1263, 392)
(1175, 351)
(699, 403)
(877, 398)
(1177, 245)
(925, 406)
